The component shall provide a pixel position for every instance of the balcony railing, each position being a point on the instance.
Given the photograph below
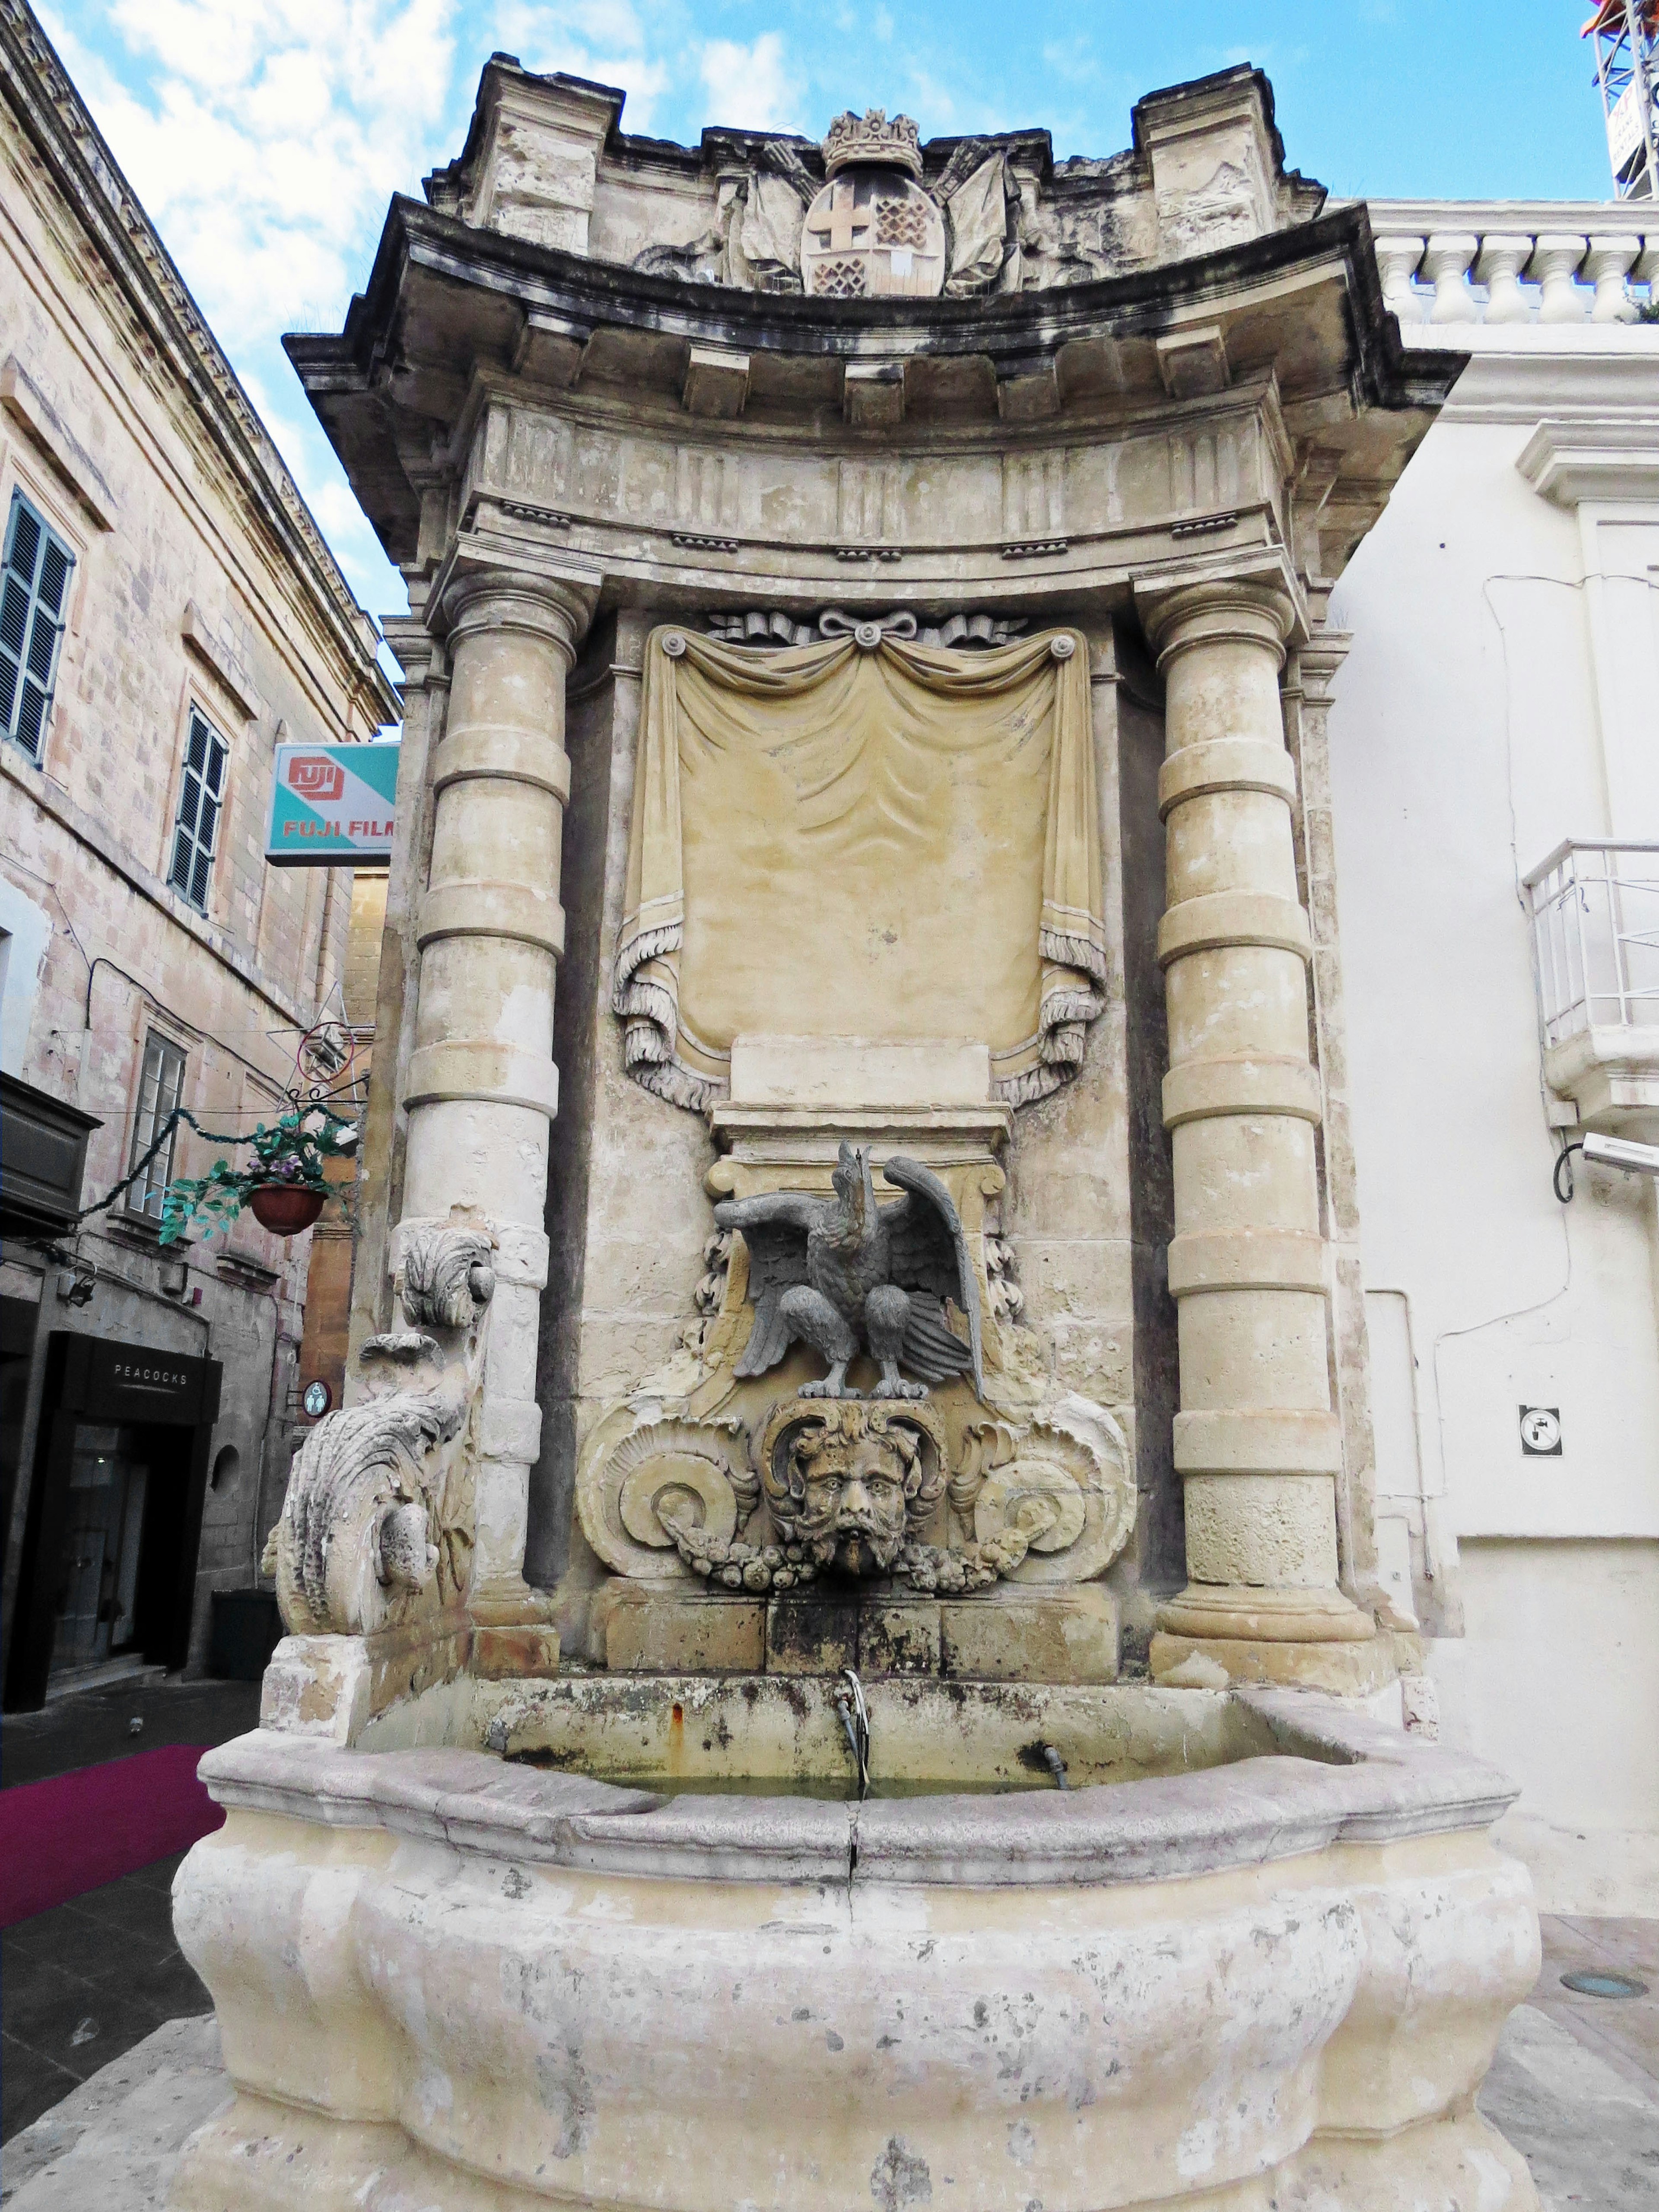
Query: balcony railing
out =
(1595, 942)
(1513, 262)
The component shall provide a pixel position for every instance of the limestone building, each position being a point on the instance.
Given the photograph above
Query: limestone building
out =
(167, 609)
(961, 484)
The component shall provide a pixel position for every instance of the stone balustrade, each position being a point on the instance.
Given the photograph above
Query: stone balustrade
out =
(1516, 262)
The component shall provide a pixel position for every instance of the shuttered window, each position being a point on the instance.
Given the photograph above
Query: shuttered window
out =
(160, 1088)
(196, 833)
(33, 594)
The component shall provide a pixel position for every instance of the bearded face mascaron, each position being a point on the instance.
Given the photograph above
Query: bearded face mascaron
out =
(852, 1483)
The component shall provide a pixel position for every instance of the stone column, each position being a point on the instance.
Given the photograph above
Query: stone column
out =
(380, 1160)
(1256, 1443)
(481, 1086)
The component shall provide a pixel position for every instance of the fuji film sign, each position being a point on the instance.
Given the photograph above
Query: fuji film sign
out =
(333, 806)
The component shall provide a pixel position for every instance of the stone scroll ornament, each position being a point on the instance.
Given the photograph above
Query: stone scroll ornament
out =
(831, 801)
(377, 1526)
(850, 1483)
(962, 1467)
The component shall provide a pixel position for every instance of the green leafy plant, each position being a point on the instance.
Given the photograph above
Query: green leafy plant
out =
(295, 1150)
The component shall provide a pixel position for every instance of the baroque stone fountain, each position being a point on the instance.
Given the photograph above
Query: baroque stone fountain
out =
(835, 1649)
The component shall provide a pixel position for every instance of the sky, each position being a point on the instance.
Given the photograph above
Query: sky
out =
(264, 138)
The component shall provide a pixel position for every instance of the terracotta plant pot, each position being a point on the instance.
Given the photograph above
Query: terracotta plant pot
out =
(286, 1208)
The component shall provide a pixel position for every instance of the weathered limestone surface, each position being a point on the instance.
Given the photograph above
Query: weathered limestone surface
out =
(1109, 1997)
(1256, 1443)
(729, 393)
(545, 160)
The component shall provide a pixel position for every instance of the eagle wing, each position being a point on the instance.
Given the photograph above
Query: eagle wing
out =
(930, 1259)
(775, 1228)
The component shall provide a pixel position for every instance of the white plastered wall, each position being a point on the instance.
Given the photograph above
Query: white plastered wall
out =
(1468, 740)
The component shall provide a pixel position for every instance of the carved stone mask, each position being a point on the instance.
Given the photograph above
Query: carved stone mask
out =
(852, 1482)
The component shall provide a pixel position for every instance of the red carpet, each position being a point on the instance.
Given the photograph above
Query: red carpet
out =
(61, 1838)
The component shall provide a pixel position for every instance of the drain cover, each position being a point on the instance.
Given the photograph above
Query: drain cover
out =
(1605, 1985)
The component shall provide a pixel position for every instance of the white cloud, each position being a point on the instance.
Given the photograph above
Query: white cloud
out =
(755, 86)
(602, 39)
(265, 136)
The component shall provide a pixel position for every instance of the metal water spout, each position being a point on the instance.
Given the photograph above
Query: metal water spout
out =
(1055, 1763)
(855, 1719)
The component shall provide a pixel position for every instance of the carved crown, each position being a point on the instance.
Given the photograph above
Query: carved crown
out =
(872, 138)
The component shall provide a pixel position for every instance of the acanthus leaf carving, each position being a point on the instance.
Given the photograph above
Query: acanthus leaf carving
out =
(378, 1522)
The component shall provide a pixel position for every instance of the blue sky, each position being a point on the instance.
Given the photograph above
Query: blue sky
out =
(265, 136)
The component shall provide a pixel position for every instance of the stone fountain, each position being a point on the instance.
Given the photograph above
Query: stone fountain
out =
(834, 1651)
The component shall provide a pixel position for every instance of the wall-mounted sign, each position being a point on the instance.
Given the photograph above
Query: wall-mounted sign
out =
(135, 1383)
(333, 806)
(1540, 1432)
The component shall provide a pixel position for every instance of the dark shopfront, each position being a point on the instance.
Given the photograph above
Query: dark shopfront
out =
(108, 1566)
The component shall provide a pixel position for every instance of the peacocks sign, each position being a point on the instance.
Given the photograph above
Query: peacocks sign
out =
(333, 806)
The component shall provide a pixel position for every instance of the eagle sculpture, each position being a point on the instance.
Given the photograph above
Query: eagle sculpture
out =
(845, 1274)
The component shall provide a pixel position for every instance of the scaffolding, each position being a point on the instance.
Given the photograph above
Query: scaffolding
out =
(1626, 37)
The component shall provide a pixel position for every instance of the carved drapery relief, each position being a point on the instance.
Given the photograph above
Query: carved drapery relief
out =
(940, 807)
(755, 240)
(378, 1522)
(983, 212)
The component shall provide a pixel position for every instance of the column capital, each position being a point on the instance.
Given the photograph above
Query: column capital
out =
(1260, 605)
(1320, 661)
(418, 651)
(488, 581)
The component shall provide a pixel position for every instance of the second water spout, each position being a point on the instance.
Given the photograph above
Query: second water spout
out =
(855, 1719)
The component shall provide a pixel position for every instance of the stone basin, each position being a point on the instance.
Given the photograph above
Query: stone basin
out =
(777, 1735)
(1264, 1965)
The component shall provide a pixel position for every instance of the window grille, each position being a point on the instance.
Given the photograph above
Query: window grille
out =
(160, 1088)
(196, 830)
(33, 589)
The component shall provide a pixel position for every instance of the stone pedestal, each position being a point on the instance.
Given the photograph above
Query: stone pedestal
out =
(482, 1085)
(1256, 1443)
(1020, 1634)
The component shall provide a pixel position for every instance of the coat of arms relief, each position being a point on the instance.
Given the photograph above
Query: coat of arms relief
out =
(864, 928)
(871, 228)
(872, 232)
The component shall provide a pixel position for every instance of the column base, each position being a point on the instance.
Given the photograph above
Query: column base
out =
(1320, 1614)
(512, 1602)
(1343, 1670)
(1315, 1638)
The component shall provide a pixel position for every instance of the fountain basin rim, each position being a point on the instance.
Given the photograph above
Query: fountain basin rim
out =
(1338, 1776)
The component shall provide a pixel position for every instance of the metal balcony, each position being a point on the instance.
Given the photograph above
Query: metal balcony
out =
(1596, 949)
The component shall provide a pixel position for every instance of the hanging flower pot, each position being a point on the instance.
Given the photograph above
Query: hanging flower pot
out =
(287, 1209)
(285, 1186)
